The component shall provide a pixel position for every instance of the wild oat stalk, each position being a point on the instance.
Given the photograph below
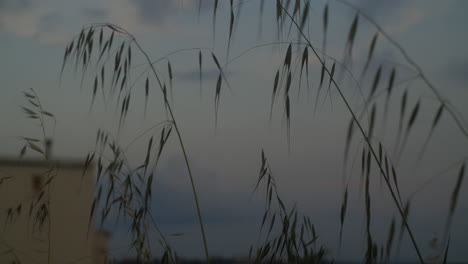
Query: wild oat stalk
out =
(296, 241)
(363, 133)
(34, 110)
(134, 203)
(457, 117)
(82, 47)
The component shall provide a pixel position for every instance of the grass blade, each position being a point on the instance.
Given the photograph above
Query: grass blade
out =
(305, 15)
(351, 36)
(146, 93)
(325, 28)
(349, 137)
(343, 214)
(200, 60)
(446, 251)
(391, 235)
(375, 83)
(372, 121)
(217, 94)
(304, 62)
(370, 53)
(455, 194)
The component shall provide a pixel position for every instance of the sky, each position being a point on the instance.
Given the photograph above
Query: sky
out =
(226, 155)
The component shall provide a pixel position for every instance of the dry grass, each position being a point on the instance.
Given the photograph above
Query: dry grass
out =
(105, 51)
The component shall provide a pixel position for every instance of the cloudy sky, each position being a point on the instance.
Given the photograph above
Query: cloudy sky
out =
(226, 158)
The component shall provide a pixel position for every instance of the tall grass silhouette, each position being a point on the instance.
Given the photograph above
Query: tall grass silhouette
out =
(105, 53)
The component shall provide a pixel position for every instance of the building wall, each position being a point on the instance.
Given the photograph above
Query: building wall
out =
(71, 197)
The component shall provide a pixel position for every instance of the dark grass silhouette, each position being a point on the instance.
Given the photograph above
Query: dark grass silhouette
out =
(106, 53)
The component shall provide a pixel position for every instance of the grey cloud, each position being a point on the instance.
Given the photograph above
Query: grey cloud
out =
(385, 11)
(207, 75)
(154, 11)
(94, 12)
(173, 198)
(26, 19)
(14, 5)
(381, 7)
(51, 21)
(225, 212)
(157, 11)
(456, 71)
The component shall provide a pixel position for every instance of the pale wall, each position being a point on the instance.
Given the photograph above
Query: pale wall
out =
(71, 196)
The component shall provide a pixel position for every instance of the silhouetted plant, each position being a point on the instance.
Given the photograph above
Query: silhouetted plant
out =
(106, 53)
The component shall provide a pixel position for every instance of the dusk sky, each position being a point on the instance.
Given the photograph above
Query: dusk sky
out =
(226, 157)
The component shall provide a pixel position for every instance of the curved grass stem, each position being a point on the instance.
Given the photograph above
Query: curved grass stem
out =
(366, 138)
(179, 137)
(457, 117)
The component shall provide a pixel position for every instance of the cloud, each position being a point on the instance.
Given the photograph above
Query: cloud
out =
(14, 5)
(455, 71)
(384, 13)
(27, 20)
(151, 11)
(226, 212)
(50, 21)
(94, 12)
(157, 11)
(375, 7)
(173, 194)
(409, 17)
(207, 75)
